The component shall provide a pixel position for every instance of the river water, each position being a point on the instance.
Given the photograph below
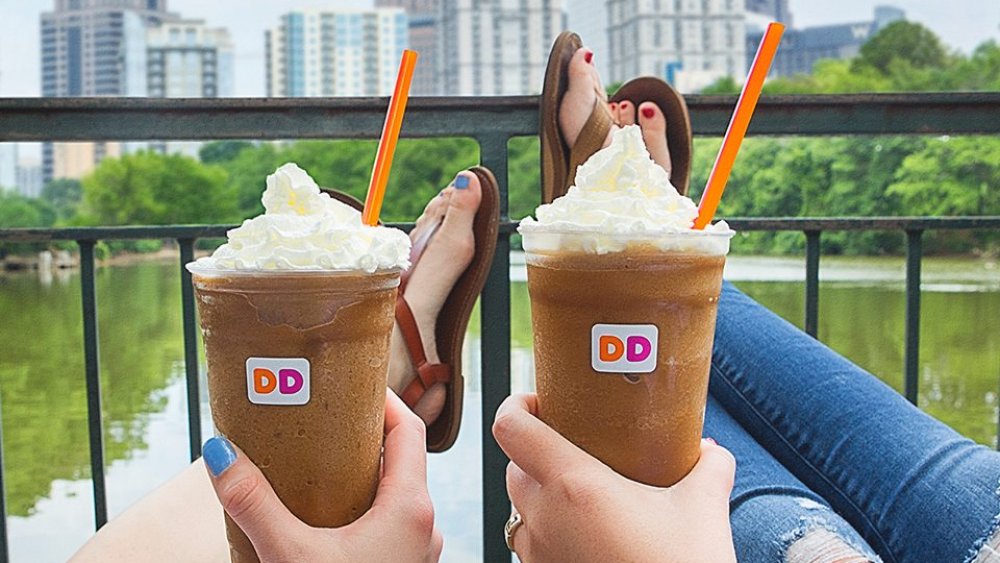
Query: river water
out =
(43, 396)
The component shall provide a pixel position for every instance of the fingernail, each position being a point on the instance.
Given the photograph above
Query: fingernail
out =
(711, 441)
(461, 182)
(588, 56)
(647, 112)
(218, 454)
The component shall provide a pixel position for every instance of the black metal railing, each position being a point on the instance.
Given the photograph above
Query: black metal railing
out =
(491, 123)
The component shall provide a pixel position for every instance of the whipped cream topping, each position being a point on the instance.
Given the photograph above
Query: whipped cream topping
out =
(621, 199)
(305, 229)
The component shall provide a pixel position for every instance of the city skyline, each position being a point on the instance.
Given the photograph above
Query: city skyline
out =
(961, 24)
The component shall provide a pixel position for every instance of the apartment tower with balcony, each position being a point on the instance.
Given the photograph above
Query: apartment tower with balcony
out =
(93, 48)
(496, 47)
(335, 53)
(689, 43)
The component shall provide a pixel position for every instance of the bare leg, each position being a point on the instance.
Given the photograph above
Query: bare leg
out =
(180, 521)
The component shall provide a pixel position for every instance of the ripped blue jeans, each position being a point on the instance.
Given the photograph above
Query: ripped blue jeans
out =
(821, 444)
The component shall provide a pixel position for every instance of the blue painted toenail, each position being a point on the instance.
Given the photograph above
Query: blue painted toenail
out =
(461, 181)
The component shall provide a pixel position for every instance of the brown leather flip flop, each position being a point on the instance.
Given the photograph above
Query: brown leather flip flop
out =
(671, 103)
(453, 319)
(559, 161)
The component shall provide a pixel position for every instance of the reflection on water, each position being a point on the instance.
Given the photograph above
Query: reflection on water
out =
(43, 394)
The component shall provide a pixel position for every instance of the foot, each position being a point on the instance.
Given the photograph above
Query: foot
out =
(585, 89)
(448, 254)
(583, 92)
(653, 125)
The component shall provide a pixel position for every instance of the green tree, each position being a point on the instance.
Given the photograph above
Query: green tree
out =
(911, 42)
(152, 189)
(19, 211)
(64, 195)
(981, 71)
(723, 86)
(222, 151)
(951, 176)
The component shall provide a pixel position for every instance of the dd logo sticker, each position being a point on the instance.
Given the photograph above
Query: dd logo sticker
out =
(623, 348)
(278, 381)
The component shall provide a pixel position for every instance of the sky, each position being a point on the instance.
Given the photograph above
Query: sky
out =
(961, 24)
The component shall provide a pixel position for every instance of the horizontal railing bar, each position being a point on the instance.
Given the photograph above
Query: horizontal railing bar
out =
(862, 223)
(108, 119)
(737, 223)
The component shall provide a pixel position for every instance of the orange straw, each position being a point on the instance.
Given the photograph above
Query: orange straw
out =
(738, 125)
(387, 143)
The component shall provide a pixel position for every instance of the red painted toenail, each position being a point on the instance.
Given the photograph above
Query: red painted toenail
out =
(588, 56)
(647, 112)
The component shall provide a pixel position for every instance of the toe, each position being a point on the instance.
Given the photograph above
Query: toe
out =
(580, 95)
(462, 206)
(654, 133)
(435, 210)
(626, 113)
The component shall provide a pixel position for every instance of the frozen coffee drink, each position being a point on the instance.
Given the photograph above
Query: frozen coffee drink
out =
(296, 312)
(623, 301)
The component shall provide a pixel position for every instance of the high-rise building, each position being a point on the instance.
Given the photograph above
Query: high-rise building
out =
(8, 167)
(187, 59)
(801, 48)
(29, 178)
(689, 43)
(335, 53)
(95, 48)
(423, 20)
(496, 47)
(772, 10)
(589, 19)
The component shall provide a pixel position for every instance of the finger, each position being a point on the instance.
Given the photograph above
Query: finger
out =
(248, 498)
(521, 488)
(437, 544)
(404, 462)
(535, 447)
(714, 473)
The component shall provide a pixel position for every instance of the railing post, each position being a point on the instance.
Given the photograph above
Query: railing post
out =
(914, 252)
(812, 283)
(95, 426)
(495, 319)
(4, 548)
(190, 349)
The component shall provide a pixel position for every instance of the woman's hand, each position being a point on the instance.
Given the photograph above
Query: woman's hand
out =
(575, 508)
(398, 527)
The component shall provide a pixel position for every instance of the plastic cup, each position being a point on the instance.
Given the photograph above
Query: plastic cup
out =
(623, 331)
(297, 367)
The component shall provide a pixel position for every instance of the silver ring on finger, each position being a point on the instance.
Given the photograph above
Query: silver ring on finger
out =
(513, 523)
